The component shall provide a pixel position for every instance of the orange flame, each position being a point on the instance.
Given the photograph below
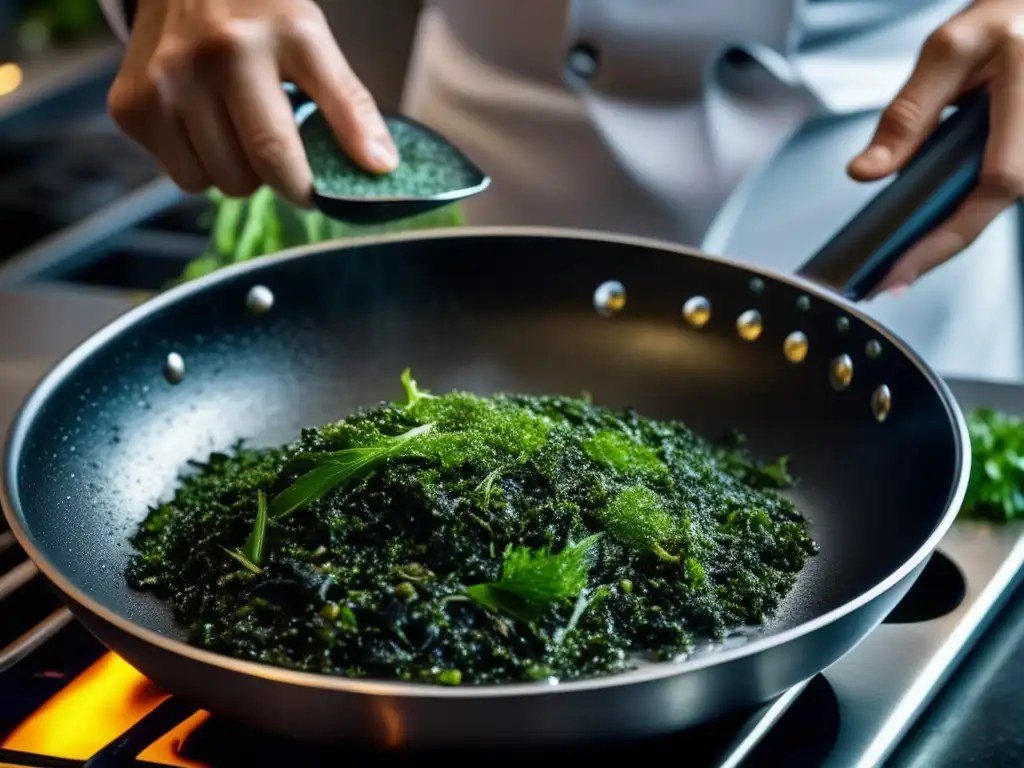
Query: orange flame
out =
(98, 706)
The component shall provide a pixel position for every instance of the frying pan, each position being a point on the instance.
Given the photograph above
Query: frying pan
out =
(880, 454)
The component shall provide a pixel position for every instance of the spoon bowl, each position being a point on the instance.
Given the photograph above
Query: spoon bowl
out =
(433, 172)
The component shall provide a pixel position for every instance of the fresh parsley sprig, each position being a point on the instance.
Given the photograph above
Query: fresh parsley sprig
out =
(532, 580)
(994, 491)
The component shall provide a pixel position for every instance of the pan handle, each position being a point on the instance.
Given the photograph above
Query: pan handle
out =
(921, 196)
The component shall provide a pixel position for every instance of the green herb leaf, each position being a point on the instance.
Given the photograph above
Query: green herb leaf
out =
(225, 227)
(260, 211)
(253, 548)
(994, 491)
(413, 394)
(494, 598)
(243, 560)
(733, 457)
(533, 579)
(340, 467)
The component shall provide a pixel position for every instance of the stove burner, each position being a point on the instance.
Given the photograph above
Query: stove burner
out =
(938, 590)
(807, 734)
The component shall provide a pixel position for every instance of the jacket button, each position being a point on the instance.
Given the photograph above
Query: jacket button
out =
(582, 60)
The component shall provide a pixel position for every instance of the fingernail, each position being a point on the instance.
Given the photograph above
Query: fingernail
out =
(893, 286)
(874, 158)
(384, 155)
(898, 289)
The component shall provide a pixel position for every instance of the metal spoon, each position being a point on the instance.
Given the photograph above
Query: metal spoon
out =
(369, 206)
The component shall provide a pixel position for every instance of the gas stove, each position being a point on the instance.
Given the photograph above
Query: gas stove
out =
(66, 701)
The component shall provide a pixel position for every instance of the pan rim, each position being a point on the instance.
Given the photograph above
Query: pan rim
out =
(37, 398)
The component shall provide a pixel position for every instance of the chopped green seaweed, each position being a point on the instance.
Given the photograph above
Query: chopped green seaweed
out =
(459, 539)
(429, 165)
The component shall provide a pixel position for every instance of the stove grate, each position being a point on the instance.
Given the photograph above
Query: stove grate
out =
(11, 580)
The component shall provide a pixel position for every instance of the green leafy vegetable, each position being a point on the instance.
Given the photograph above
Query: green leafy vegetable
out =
(454, 540)
(997, 467)
(248, 228)
(777, 473)
(531, 580)
(243, 561)
(338, 468)
(413, 394)
(253, 549)
(733, 457)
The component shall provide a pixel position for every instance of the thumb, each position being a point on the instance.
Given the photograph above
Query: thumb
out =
(943, 66)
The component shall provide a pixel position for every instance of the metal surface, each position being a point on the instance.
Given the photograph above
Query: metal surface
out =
(346, 319)
(896, 671)
(966, 319)
(921, 196)
(16, 578)
(885, 684)
(754, 730)
(29, 641)
(898, 668)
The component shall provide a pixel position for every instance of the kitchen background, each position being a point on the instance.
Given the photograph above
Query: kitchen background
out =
(89, 227)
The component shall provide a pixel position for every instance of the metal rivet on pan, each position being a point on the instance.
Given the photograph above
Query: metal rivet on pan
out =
(749, 325)
(881, 402)
(840, 372)
(757, 285)
(697, 311)
(259, 300)
(842, 324)
(609, 298)
(174, 368)
(795, 347)
(803, 303)
(873, 349)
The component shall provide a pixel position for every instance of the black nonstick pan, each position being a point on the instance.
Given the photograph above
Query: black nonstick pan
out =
(262, 349)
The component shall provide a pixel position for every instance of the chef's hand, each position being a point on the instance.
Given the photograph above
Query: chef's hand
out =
(200, 89)
(981, 46)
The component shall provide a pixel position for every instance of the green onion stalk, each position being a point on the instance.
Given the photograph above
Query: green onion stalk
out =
(242, 229)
